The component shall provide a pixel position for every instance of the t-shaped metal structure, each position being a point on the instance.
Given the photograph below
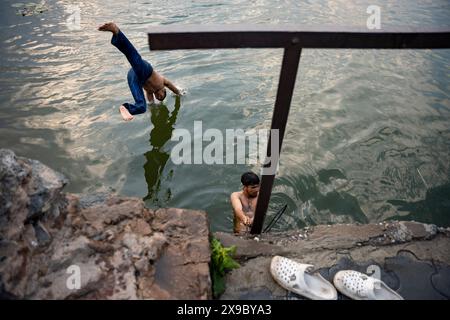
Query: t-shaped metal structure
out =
(292, 39)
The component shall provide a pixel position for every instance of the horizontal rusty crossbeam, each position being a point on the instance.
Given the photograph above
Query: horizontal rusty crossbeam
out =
(293, 39)
(267, 36)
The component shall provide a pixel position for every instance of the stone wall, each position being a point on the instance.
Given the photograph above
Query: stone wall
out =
(122, 249)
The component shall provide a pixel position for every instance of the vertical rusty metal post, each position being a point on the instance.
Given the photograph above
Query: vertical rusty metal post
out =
(288, 75)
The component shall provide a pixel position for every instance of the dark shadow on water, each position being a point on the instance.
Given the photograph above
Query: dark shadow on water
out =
(163, 124)
(434, 208)
(317, 205)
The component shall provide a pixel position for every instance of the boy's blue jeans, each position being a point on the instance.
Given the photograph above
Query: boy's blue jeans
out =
(140, 71)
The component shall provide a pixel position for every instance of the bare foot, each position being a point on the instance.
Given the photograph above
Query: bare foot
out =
(125, 114)
(109, 26)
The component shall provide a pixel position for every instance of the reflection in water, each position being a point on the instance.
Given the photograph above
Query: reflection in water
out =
(434, 208)
(163, 125)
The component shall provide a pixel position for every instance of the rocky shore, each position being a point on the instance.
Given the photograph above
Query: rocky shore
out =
(122, 250)
(412, 258)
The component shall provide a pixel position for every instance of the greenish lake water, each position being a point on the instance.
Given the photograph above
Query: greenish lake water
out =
(368, 135)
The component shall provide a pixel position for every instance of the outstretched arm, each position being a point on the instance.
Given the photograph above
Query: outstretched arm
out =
(170, 85)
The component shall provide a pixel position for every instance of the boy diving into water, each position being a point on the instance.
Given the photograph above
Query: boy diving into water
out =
(140, 76)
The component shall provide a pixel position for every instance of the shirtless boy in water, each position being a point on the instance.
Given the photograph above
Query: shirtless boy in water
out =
(244, 203)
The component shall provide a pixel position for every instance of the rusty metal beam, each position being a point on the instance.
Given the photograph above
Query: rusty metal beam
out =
(267, 36)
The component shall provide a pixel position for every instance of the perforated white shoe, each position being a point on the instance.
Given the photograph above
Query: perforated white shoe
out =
(359, 286)
(295, 277)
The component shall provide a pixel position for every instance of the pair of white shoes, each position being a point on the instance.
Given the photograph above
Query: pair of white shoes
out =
(297, 277)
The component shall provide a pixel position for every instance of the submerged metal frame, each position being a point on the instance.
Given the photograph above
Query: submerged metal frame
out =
(292, 39)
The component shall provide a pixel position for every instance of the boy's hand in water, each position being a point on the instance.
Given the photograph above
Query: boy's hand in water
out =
(176, 90)
(181, 92)
(248, 222)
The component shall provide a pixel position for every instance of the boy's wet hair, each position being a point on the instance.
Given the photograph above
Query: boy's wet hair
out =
(249, 178)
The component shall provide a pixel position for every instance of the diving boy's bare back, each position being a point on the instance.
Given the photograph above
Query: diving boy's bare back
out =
(141, 76)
